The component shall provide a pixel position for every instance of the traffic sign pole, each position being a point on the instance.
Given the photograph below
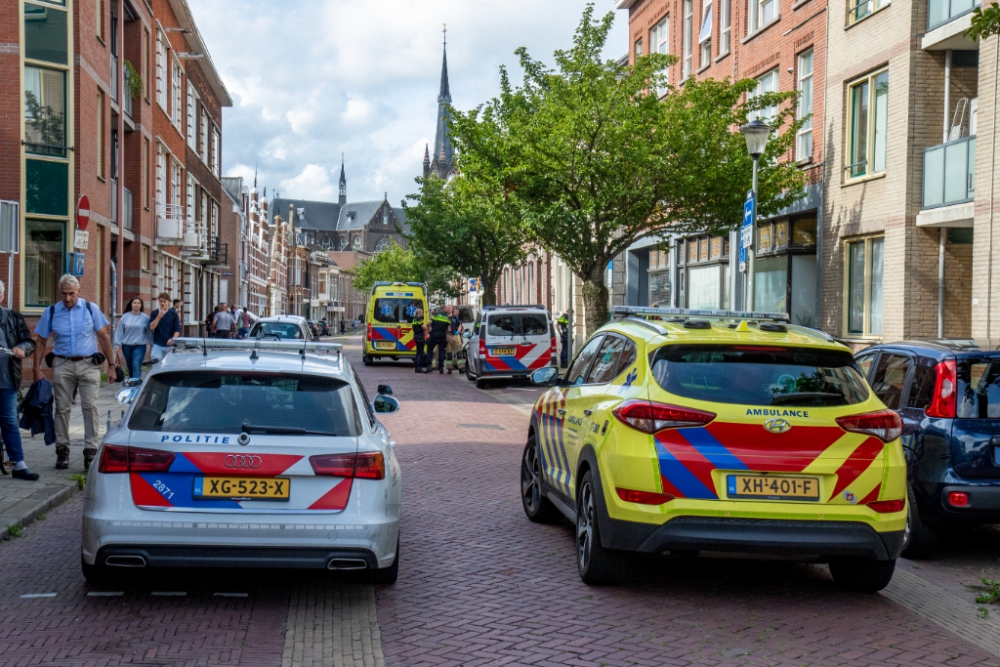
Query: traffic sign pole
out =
(749, 298)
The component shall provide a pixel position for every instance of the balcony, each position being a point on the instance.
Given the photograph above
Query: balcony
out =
(946, 21)
(173, 228)
(218, 252)
(949, 184)
(127, 208)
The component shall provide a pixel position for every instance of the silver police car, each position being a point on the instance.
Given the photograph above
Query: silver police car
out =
(251, 453)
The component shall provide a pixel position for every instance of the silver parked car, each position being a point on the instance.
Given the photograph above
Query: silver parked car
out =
(282, 327)
(254, 453)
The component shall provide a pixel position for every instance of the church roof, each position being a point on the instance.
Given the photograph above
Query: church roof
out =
(355, 215)
(319, 215)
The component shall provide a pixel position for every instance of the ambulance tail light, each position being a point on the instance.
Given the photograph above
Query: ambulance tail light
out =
(650, 417)
(643, 497)
(888, 506)
(121, 458)
(368, 335)
(944, 402)
(885, 425)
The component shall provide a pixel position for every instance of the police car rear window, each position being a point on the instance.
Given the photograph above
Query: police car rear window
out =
(220, 402)
(759, 375)
(517, 324)
(395, 310)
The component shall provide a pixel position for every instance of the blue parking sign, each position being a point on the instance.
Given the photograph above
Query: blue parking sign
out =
(746, 229)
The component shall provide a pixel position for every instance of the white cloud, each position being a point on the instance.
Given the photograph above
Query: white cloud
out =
(311, 80)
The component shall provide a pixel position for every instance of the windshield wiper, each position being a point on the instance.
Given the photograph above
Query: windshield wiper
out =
(782, 399)
(248, 428)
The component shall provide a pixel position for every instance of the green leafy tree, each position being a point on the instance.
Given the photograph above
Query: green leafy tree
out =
(598, 162)
(985, 22)
(468, 225)
(402, 265)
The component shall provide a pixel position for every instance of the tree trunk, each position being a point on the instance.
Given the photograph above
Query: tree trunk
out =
(489, 288)
(595, 299)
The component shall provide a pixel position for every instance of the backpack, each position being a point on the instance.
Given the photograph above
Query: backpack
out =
(52, 313)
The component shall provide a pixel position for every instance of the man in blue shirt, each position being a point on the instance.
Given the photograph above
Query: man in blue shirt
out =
(165, 323)
(80, 330)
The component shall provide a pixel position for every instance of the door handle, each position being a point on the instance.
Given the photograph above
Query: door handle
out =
(562, 411)
(588, 412)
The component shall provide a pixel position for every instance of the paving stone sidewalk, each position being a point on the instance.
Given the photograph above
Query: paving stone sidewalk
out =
(21, 502)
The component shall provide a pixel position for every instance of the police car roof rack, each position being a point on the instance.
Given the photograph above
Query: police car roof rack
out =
(253, 345)
(498, 306)
(652, 326)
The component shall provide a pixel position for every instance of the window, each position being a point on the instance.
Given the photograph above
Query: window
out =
(144, 177)
(725, 25)
(45, 111)
(864, 286)
(161, 71)
(688, 27)
(43, 261)
(144, 258)
(762, 13)
(100, 134)
(862, 8)
(203, 128)
(868, 122)
(638, 48)
(144, 63)
(192, 105)
(890, 374)
(215, 219)
(216, 152)
(161, 175)
(605, 368)
(768, 83)
(100, 18)
(175, 87)
(659, 38)
(578, 371)
(175, 184)
(189, 211)
(45, 34)
(705, 36)
(922, 387)
(978, 389)
(803, 142)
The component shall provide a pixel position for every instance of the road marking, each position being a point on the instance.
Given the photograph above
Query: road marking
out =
(31, 596)
(169, 593)
(951, 612)
(229, 595)
(105, 594)
(493, 426)
(337, 622)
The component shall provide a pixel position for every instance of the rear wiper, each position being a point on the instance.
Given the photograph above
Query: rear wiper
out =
(781, 399)
(248, 428)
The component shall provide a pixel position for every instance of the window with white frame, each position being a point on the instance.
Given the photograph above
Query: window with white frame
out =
(189, 212)
(203, 128)
(761, 14)
(161, 70)
(659, 40)
(688, 38)
(216, 151)
(705, 36)
(865, 259)
(768, 83)
(192, 128)
(725, 25)
(175, 184)
(161, 174)
(215, 219)
(868, 102)
(175, 86)
(859, 9)
(803, 141)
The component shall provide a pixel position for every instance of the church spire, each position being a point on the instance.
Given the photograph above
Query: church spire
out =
(444, 96)
(443, 152)
(342, 199)
(427, 161)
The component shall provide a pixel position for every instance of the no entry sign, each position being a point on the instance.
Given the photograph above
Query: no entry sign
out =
(83, 212)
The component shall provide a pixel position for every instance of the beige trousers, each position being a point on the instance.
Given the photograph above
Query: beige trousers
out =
(86, 377)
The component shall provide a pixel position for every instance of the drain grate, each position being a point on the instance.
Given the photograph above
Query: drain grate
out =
(496, 427)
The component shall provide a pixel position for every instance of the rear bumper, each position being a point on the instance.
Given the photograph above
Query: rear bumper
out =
(132, 556)
(756, 536)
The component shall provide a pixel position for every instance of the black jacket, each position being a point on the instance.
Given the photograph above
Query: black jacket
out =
(18, 335)
(418, 331)
(439, 329)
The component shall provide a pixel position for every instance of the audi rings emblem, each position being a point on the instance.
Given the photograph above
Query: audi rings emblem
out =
(777, 425)
(243, 461)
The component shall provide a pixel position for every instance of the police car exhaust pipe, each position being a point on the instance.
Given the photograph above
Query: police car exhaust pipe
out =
(347, 564)
(125, 561)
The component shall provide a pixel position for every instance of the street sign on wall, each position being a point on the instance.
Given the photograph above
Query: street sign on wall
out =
(81, 239)
(83, 212)
(77, 260)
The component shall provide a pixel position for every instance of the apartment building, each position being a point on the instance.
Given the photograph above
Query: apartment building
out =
(782, 44)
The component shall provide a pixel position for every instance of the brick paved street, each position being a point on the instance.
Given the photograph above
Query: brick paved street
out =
(480, 585)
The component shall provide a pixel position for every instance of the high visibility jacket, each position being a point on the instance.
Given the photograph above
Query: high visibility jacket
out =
(418, 330)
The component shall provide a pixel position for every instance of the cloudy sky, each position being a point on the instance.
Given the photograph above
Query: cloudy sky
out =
(311, 79)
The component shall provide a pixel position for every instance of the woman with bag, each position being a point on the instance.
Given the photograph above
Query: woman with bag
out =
(132, 336)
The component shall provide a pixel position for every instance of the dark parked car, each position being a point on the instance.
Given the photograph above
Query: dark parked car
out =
(948, 394)
(324, 327)
(314, 327)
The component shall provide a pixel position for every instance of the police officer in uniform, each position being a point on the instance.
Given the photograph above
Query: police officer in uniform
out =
(563, 323)
(454, 338)
(420, 361)
(440, 326)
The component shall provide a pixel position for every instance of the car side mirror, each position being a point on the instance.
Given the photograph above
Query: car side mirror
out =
(127, 395)
(384, 390)
(467, 335)
(385, 405)
(545, 377)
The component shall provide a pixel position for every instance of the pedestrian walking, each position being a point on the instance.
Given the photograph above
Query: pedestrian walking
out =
(245, 322)
(419, 361)
(563, 323)
(82, 345)
(223, 323)
(15, 339)
(454, 338)
(343, 326)
(440, 325)
(132, 336)
(165, 323)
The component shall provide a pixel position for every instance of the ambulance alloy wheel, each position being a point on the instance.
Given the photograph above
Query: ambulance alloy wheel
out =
(536, 506)
(597, 565)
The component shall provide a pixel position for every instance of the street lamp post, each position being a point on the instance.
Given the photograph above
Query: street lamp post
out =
(756, 133)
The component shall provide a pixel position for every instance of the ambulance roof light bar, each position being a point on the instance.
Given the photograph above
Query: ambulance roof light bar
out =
(639, 311)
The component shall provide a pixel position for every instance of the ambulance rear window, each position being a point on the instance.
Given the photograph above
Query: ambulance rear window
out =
(759, 375)
(395, 310)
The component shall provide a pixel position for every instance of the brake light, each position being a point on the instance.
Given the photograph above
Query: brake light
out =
(643, 497)
(362, 466)
(958, 499)
(945, 397)
(759, 348)
(369, 332)
(482, 347)
(652, 417)
(885, 425)
(120, 458)
(887, 506)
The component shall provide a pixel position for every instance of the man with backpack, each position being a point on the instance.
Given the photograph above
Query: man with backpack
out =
(82, 344)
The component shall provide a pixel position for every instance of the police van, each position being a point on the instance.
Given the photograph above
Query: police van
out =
(509, 342)
(389, 320)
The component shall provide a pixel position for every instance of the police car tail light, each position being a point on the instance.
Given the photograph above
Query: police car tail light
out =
(652, 417)
(945, 398)
(553, 348)
(482, 347)
(120, 458)
(885, 425)
(362, 466)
